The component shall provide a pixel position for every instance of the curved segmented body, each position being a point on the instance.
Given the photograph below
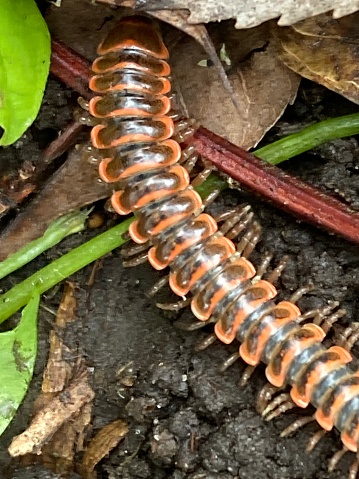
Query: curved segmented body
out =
(134, 131)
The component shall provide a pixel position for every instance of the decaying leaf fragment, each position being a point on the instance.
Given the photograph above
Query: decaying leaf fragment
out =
(58, 370)
(248, 13)
(101, 444)
(325, 51)
(52, 416)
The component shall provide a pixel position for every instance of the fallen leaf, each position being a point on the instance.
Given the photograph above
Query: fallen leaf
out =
(246, 12)
(105, 440)
(261, 84)
(325, 51)
(73, 186)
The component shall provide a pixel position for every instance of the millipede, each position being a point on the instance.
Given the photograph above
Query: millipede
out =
(138, 139)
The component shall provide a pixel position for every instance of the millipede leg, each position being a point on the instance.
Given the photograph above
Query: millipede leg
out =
(313, 441)
(350, 336)
(84, 118)
(278, 406)
(174, 306)
(353, 471)
(193, 325)
(89, 154)
(301, 292)
(236, 221)
(229, 362)
(84, 104)
(333, 462)
(278, 270)
(265, 396)
(189, 158)
(240, 226)
(229, 214)
(184, 129)
(201, 177)
(297, 424)
(262, 268)
(212, 338)
(318, 315)
(247, 373)
(135, 254)
(134, 249)
(207, 200)
(140, 259)
(253, 240)
(328, 321)
(158, 286)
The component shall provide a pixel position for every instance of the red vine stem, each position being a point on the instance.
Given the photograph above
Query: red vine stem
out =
(285, 191)
(71, 68)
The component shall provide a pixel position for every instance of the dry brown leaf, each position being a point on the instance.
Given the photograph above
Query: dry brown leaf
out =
(248, 13)
(58, 370)
(105, 440)
(179, 20)
(73, 186)
(72, 22)
(58, 455)
(262, 86)
(325, 51)
(52, 416)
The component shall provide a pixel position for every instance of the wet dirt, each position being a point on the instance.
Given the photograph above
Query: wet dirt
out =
(188, 420)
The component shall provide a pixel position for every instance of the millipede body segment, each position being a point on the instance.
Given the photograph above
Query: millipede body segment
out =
(135, 132)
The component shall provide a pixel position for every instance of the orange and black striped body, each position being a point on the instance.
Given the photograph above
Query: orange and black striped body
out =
(134, 131)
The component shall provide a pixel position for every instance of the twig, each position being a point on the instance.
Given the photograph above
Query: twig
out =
(63, 142)
(71, 68)
(274, 184)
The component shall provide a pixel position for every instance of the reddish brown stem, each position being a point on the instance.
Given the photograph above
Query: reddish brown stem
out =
(71, 68)
(62, 143)
(282, 189)
(270, 182)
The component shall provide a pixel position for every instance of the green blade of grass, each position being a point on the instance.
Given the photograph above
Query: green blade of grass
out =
(309, 138)
(58, 230)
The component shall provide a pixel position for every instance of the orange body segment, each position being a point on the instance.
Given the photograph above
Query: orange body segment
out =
(305, 337)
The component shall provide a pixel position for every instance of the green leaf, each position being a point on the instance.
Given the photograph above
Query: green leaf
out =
(25, 50)
(17, 357)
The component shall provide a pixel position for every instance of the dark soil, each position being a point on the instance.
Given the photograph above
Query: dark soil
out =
(187, 419)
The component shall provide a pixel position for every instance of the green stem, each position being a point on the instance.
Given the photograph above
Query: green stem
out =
(309, 138)
(61, 268)
(213, 182)
(57, 231)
